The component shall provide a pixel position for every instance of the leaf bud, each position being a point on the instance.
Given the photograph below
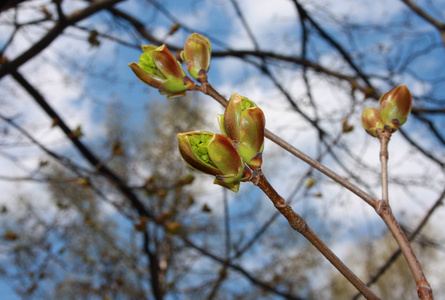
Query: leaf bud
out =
(244, 122)
(395, 107)
(213, 154)
(159, 68)
(371, 121)
(196, 55)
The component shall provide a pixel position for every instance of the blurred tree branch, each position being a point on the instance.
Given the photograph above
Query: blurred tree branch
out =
(53, 33)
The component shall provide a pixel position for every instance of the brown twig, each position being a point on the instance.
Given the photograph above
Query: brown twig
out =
(299, 224)
(427, 17)
(384, 138)
(424, 290)
(411, 237)
(267, 223)
(54, 32)
(383, 209)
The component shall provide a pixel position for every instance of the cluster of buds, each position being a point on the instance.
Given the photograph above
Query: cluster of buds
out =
(232, 155)
(395, 107)
(159, 68)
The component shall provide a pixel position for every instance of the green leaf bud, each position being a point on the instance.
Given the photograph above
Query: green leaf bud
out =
(196, 55)
(371, 121)
(213, 154)
(395, 107)
(245, 123)
(159, 68)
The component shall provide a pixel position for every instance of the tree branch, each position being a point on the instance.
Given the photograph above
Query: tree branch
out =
(86, 153)
(411, 237)
(299, 224)
(424, 15)
(53, 33)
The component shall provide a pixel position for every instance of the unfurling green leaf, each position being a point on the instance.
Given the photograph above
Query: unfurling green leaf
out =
(159, 68)
(213, 154)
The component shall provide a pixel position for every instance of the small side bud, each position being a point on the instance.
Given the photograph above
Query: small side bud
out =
(346, 127)
(395, 107)
(371, 121)
(93, 38)
(196, 55)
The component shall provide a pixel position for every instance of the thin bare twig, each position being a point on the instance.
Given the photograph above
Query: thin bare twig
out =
(427, 17)
(54, 33)
(424, 290)
(384, 140)
(411, 237)
(299, 224)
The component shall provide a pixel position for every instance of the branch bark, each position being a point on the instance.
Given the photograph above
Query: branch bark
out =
(424, 290)
(411, 237)
(299, 224)
(53, 33)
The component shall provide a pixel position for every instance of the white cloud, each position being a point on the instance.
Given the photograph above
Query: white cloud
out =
(265, 21)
